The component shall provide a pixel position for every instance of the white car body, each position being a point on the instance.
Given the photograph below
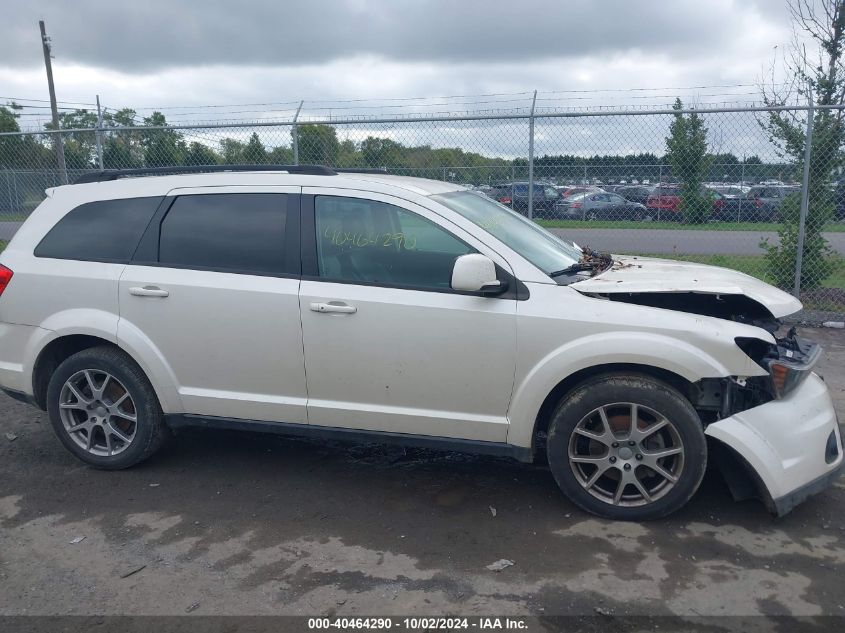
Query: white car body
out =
(253, 350)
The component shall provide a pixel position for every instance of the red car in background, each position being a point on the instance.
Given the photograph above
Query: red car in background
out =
(665, 202)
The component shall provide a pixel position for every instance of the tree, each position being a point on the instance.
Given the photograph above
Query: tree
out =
(199, 154)
(380, 152)
(79, 147)
(822, 22)
(21, 151)
(254, 152)
(162, 148)
(280, 156)
(233, 151)
(686, 150)
(318, 144)
(121, 148)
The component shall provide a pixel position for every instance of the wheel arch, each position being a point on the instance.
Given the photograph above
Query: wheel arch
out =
(678, 362)
(61, 347)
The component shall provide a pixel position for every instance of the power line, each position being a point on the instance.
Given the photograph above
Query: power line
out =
(18, 99)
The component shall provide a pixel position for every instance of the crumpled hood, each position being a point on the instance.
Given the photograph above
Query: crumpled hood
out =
(632, 274)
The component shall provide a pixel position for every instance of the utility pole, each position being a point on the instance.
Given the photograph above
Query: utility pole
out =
(58, 146)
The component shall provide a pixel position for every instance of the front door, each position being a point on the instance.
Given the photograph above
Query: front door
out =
(388, 345)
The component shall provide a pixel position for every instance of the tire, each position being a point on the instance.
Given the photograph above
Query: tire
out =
(571, 449)
(113, 441)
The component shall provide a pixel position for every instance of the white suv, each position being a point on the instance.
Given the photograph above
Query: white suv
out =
(387, 309)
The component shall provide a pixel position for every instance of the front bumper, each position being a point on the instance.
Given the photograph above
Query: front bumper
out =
(786, 441)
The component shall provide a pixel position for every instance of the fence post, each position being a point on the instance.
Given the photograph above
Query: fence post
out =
(99, 133)
(805, 199)
(295, 135)
(531, 159)
(9, 190)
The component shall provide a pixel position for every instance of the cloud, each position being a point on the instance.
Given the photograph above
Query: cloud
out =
(158, 34)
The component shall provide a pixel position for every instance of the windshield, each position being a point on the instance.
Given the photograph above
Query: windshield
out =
(546, 251)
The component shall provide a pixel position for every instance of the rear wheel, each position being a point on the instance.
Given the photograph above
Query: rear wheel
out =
(627, 447)
(104, 410)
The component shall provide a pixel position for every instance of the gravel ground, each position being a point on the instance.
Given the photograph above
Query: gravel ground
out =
(226, 523)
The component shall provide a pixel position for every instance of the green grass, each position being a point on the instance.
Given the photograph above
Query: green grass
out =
(663, 226)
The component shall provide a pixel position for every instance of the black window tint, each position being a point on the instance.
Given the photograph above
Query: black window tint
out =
(376, 242)
(239, 232)
(102, 231)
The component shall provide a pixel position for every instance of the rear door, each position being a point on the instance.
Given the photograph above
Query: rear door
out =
(212, 292)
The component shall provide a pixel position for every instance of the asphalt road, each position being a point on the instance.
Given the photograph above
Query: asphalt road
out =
(227, 523)
(681, 241)
(641, 240)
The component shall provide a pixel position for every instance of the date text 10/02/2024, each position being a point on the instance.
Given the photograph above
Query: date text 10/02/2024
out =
(418, 623)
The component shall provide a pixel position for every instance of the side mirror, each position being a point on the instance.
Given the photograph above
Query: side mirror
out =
(476, 273)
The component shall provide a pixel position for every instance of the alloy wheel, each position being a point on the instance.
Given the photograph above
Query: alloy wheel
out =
(98, 412)
(626, 454)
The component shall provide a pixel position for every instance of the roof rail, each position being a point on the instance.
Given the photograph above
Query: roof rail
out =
(361, 170)
(115, 174)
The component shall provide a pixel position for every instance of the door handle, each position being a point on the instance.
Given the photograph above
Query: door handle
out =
(148, 291)
(333, 306)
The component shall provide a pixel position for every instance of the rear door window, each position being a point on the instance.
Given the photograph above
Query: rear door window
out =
(228, 232)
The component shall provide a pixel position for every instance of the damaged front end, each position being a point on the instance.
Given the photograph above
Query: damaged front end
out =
(778, 436)
(771, 421)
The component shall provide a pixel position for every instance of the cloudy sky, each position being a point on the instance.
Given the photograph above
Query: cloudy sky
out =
(177, 52)
(164, 54)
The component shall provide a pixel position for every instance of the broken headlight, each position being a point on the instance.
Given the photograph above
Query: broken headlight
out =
(789, 361)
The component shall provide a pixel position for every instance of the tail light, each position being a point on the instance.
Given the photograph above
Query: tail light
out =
(575, 205)
(5, 277)
(505, 200)
(758, 203)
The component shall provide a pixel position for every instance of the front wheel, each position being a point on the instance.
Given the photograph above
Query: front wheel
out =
(627, 446)
(103, 409)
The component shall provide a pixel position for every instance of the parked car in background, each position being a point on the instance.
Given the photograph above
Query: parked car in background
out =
(664, 202)
(730, 192)
(759, 204)
(635, 193)
(599, 205)
(569, 190)
(515, 196)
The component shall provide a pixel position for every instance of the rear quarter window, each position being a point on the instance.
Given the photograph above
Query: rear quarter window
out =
(101, 231)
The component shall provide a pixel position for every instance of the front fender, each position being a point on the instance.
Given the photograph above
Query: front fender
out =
(639, 348)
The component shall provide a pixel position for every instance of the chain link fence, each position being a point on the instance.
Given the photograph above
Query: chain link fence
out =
(714, 186)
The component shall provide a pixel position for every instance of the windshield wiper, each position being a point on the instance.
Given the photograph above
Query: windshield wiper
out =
(575, 268)
(591, 260)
